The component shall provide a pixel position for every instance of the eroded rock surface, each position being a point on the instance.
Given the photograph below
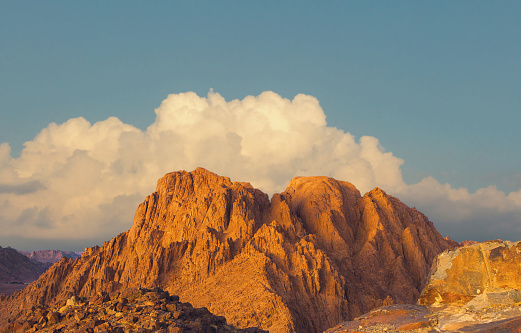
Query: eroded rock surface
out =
(475, 288)
(478, 275)
(315, 255)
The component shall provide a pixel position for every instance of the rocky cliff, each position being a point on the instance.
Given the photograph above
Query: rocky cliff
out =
(315, 255)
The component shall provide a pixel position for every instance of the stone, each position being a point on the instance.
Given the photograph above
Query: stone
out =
(148, 320)
(64, 310)
(479, 275)
(53, 318)
(79, 315)
(71, 301)
(475, 288)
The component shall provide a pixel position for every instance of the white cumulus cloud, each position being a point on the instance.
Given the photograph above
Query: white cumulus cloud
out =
(79, 180)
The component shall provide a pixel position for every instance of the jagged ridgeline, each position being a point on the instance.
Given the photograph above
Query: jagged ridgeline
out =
(315, 255)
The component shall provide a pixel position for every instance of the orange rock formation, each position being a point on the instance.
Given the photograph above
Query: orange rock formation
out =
(475, 288)
(316, 255)
(478, 275)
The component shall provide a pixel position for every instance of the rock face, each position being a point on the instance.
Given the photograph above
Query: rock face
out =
(16, 270)
(49, 256)
(478, 275)
(475, 288)
(316, 255)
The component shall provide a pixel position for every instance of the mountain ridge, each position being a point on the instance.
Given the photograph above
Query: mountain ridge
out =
(314, 255)
(16, 270)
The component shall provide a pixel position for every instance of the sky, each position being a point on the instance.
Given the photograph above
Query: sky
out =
(100, 99)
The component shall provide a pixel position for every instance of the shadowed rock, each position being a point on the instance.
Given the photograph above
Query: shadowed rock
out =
(16, 270)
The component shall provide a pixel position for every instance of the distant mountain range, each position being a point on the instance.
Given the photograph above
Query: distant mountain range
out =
(15, 267)
(17, 270)
(50, 256)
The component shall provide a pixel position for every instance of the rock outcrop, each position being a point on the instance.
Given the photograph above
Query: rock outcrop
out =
(315, 255)
(476, 288)
(478, 275)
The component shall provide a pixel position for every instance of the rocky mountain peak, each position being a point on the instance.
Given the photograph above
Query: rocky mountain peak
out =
(313, 256)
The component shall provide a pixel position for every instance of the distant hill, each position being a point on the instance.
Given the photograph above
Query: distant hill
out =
(16, 270)
(49, 256)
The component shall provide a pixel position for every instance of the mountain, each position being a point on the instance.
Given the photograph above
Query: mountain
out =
(49, 256)
(16, 270)
(315, 255)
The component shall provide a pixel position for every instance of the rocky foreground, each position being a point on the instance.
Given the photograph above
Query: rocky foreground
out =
(475, 288)
(311, 257)
(132, 310)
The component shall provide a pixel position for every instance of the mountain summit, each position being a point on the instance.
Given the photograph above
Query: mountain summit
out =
(315, 255)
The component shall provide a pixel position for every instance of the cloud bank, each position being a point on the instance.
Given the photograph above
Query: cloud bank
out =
(79, 180)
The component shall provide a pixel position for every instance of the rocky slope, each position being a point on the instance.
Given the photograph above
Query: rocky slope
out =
(16, 270)
(132, 310)
(317, 254)
(49, 256)
(475, 288)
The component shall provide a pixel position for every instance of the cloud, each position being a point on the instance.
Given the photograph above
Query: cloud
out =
(485, 214)
(23, 188)
(79, 180)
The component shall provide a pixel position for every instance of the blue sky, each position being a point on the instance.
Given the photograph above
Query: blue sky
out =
(436, 82)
